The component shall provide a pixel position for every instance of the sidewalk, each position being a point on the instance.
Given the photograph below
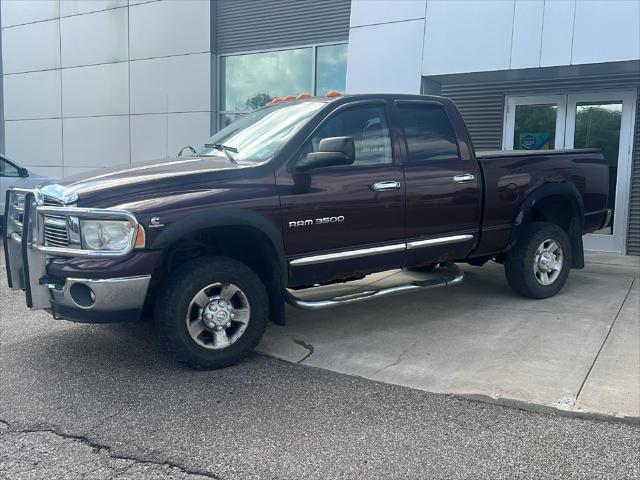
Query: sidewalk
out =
(578, 352)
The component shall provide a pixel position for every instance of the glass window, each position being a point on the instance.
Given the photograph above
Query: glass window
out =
(369, 128)
(428, 132)
(257, 136)
(535, 127)
(253, 80)
(8, 170)
(331, 69)
(598, 125)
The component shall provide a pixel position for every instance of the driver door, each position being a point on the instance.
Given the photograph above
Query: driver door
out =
(347, 220)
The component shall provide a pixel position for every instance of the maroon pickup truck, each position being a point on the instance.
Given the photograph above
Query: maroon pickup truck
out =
(295, 195)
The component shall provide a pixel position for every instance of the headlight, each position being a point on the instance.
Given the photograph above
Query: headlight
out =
(106, 234)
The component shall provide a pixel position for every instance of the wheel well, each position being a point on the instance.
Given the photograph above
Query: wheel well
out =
(562, 211)
(558, 209)
(246, 244)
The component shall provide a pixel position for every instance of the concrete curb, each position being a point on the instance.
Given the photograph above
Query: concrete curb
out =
(496, 400)
(549, 409)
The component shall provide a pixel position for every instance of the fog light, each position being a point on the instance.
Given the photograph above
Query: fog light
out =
(82, 295)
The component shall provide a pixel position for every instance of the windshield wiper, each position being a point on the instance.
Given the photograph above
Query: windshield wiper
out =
(224, 148)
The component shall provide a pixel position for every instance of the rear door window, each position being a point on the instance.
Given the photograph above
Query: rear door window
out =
(428, 132)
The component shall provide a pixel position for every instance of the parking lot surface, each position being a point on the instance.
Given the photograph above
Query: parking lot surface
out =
(577, 352)
(79, 401)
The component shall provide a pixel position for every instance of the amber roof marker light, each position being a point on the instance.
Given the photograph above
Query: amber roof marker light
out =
(334, 93)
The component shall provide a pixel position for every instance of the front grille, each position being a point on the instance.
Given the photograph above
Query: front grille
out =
(55, 226)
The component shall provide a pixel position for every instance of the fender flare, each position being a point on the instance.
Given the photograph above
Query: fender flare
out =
(226, 218)
(563, 189)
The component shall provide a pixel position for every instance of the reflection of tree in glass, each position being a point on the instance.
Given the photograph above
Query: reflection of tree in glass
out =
(535, 119)
(598, 126)
(257, 101)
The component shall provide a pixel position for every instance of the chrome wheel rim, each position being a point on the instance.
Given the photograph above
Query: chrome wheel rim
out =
(548, 262)
(218, 315)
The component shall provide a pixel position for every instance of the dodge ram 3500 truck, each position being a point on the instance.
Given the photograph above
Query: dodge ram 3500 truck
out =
(298, 194)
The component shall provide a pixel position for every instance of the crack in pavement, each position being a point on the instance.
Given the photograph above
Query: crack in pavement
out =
(303, 344)
(100, 447)
(400, 357)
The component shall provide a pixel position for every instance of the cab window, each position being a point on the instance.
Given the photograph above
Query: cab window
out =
(369, 128)
(428, 132)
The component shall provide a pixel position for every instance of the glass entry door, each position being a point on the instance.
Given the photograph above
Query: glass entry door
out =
(605, 120)
(535, 122)
(586, 120)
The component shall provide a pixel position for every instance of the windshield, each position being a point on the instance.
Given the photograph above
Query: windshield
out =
(258, 135)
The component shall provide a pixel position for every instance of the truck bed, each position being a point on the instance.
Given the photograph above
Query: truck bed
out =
(510, 176)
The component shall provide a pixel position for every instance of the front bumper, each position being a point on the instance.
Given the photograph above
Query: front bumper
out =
(99, 300)
(92, 300)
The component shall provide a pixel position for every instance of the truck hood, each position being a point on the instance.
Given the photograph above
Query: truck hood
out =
(109, 186)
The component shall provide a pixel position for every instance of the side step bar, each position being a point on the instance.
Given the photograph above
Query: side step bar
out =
(445, 275)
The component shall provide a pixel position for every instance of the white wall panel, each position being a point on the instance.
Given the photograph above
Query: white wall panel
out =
(69, 171)
(95, 90)
(557, 33)
(35, 46)
(482, 41)
(149, 137)
(605, 31)
(171, 84)
(188, 129)
(169, 27)
(77, 7)
(385, 58)
(32, 95)
(527, 33)
(159, 136)
(16, 12)
(94, 38)
(51, 172)
(34, 142)
(96, 141)
(370, 12)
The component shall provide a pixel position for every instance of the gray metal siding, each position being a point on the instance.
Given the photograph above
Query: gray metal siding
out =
(246, 25)
(633, 235)
(482, 106)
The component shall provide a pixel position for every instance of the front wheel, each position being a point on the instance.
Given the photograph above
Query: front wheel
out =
(539, 263)
(212, 312)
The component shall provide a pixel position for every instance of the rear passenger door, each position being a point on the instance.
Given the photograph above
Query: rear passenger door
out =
(442, 188)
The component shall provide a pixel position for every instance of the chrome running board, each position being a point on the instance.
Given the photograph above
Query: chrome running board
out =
(445, 275)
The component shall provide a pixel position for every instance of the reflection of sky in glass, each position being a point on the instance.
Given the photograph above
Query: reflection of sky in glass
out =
(331, 69)
(287, 72)
(258, 135)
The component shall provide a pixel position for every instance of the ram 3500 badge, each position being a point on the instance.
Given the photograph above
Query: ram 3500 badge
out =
(336, 189)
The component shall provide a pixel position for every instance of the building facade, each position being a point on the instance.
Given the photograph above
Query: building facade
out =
(90, 83)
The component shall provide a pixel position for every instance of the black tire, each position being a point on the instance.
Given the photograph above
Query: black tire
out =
(172, 306)
(520, 261)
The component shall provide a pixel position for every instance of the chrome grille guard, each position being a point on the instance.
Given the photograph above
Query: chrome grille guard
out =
(24, 246)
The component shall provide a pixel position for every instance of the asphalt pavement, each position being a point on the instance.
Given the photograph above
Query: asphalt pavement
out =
(102, 402)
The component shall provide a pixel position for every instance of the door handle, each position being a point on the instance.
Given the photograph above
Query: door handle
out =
(464, 178)
(386, 186)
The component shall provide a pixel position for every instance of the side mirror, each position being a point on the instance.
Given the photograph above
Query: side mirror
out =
(332, 151)
(23, 172)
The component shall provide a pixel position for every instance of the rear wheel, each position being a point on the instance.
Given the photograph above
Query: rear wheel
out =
(212, 312)
(539, 263)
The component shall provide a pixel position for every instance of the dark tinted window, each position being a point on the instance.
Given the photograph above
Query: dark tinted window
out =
(369, 128)
(8, 170)
(428, 131)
